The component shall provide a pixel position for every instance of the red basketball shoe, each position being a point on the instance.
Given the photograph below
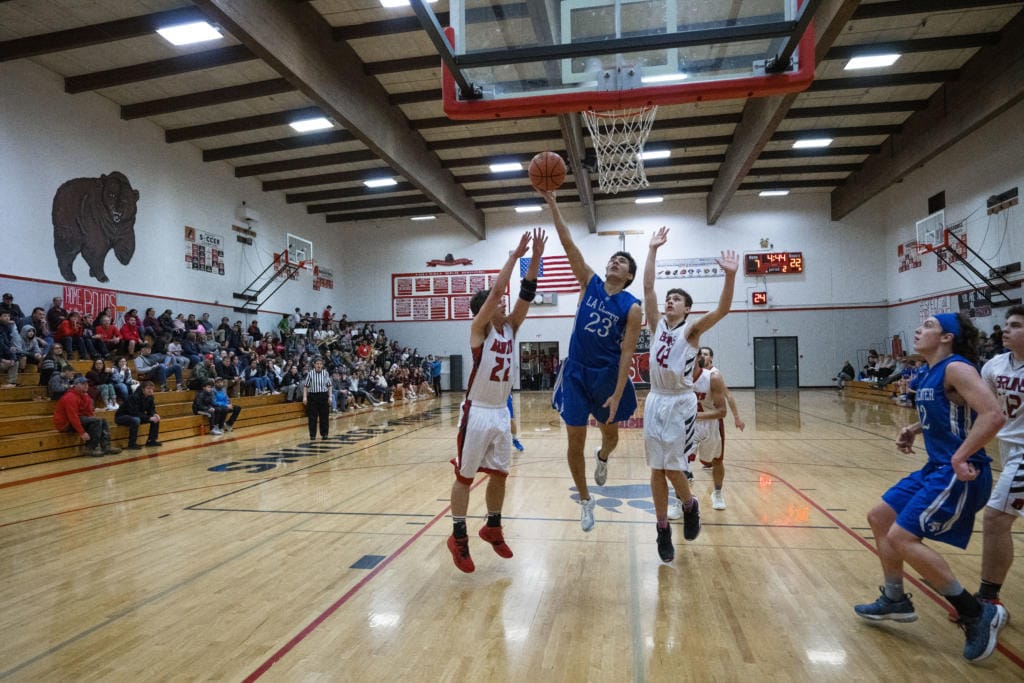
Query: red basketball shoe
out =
(459, 548)
(493, 535)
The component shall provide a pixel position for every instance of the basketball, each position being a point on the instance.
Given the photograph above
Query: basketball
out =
(547, 171)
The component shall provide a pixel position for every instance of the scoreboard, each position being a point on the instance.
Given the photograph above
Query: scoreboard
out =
(774, 263)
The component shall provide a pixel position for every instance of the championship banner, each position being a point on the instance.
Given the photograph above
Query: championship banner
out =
(640, 368)
(432, 297)
(204, 251)
(88, 301)
(322, 279)
(672, 269)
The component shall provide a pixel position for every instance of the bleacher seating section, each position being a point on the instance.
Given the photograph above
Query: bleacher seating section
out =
(27, 435)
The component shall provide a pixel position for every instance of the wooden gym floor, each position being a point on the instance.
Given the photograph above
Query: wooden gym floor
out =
(257, 555)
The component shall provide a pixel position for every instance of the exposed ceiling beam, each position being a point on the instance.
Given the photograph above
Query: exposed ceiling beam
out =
(296, 41)
(280, 145)
(240, 125)
(762, 116)
(196, 61)
(901, 8)
(990, 82)
(206, 98)
(340, 158)
(904, 47)
(882, 81)
(96, 34)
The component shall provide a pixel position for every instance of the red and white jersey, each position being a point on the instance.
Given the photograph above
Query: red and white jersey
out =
(702, 385)
(490, 383)
(1006, 377)
(672, 359)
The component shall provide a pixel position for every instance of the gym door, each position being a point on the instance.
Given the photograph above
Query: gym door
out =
(776, 363)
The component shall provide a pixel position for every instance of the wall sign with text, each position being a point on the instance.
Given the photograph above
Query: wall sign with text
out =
(437, 296)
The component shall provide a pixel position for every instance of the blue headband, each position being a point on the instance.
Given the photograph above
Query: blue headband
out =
(950, 323)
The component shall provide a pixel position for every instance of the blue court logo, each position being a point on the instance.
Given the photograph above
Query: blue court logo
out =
(637, 496)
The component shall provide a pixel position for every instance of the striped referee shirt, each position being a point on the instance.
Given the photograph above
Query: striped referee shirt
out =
(318, 382)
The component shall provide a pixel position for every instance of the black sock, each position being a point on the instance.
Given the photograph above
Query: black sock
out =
(494, 519)
(459, 527)
(966, 604)
(989, 590)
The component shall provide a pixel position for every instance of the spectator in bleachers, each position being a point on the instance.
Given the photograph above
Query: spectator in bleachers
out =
(165, 323)
(74, 413)
(203, 372)
(121, 378)
(150, 324)
(60, 382)
(845, 375)
(341, 397)
(101, 384)
(190, 349)
(148, 367)
(8, 306)
(140, 407)
(203, 405)
(10, 350)
(43, 331)
(69, 333)
(105, 332)
(291, 383)
(231, 372)
(176, 355)
(56, 314)
(130, 337)
(54, 362)
(205, 323)
(30, 345)
(224, 406)
(222, 331)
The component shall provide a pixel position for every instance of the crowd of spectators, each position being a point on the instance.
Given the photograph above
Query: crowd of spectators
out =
(366, 366)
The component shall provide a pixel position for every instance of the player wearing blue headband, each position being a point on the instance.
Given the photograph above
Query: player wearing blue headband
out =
(958, 415)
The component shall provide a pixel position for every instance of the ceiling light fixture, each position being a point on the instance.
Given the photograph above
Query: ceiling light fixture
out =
(648, 155)
(871, 62)
(400, 3)
(423, 218)
(773, 193)
(528, 208)
(380, 182)
(664, 78)
(306, 125)
(186, 34)
(812, 143)
(648, 200)
(506, 167)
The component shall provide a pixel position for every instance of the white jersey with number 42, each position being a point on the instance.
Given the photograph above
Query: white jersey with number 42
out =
(1007, 379)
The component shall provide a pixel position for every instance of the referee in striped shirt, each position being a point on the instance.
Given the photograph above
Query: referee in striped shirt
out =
(316, 392)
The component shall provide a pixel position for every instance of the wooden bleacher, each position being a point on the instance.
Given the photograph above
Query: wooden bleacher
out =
(869, 391)
(27, 436)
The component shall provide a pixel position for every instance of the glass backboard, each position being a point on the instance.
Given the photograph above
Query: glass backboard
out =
(553, 56)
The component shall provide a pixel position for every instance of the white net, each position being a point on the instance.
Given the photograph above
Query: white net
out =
(618, 138)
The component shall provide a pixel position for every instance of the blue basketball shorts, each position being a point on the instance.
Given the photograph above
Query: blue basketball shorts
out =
(933, 503)
(581, 392)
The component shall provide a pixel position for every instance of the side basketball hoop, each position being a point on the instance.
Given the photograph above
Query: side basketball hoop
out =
(618, 137)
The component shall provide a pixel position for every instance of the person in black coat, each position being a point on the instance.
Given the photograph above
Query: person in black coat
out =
(140, 407)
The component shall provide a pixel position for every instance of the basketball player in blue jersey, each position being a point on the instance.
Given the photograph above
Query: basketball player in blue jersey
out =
(958, 415)
(485, 439)
(594, 380)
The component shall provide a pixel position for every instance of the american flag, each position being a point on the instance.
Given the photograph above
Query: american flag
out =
(555, 275)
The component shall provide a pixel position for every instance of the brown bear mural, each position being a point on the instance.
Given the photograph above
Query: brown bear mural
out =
(91, 216)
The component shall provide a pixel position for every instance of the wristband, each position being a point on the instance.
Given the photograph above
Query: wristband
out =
(527, 289)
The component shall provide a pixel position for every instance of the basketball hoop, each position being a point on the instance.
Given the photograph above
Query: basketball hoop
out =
(619, 138)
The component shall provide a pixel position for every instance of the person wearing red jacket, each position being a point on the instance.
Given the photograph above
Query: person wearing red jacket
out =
(74, 413)
(69, 332)
(130, 334)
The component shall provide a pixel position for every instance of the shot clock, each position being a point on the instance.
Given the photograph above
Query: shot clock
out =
(759, 298)
(774, 263)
